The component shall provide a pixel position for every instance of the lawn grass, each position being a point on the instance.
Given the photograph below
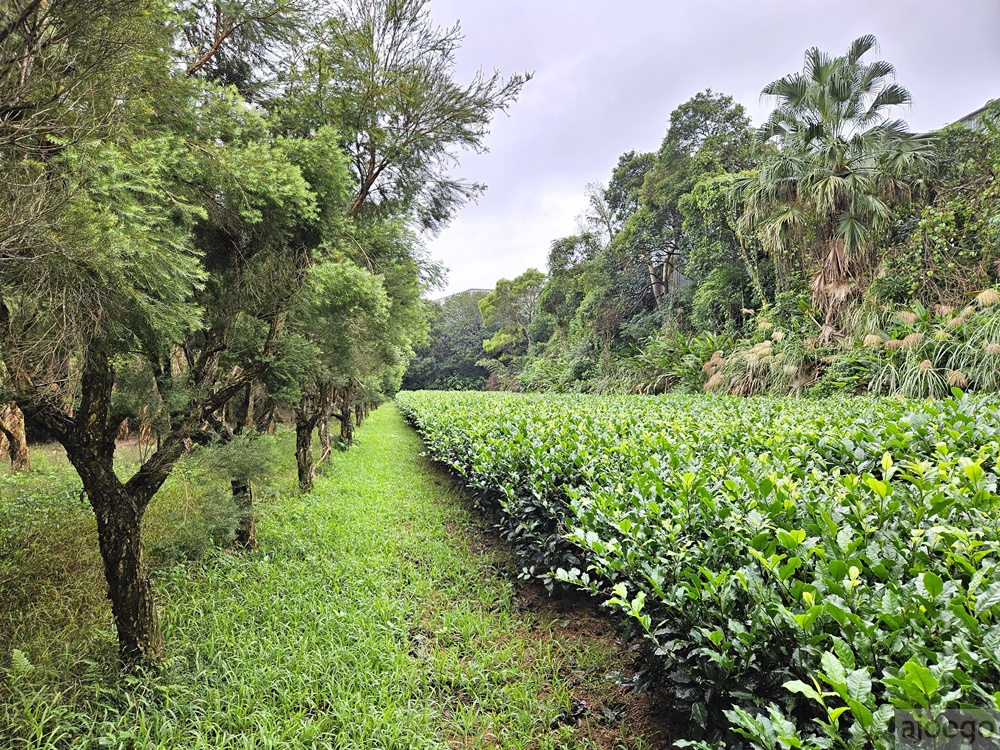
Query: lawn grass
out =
(374, 615)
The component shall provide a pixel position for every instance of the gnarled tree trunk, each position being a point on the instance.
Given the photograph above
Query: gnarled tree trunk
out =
(118, 506)
(324, 439)
(346, 399)
(246, 528)
(314, 409)
(346, 425)
(13, 439)
(119, 524)
(303, 451)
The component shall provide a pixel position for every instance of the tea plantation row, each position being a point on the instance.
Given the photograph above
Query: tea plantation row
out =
(802, 567)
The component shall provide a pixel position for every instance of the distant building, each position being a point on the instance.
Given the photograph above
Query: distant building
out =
(974, 120)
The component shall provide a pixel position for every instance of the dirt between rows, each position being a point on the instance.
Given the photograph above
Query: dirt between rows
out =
(617, 709)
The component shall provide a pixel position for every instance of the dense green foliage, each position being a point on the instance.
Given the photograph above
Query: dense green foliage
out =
(209, 219)
(212, 219)
(825, 224)
(449, 357)
(356, 625)
(800, 567)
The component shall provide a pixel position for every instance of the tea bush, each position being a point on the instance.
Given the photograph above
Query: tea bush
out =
(800, 567)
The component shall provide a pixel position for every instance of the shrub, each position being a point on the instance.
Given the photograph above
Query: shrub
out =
(768, 549)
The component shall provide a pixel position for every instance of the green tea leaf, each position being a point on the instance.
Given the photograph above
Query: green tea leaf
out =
(933, 584)
(988, 599)
(834, 671)
(859, 685)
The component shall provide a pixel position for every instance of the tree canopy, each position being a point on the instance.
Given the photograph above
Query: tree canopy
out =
(840, 162)
(203, 228)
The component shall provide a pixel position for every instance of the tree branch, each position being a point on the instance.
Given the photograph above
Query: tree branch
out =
(28, 10)
(224, 30)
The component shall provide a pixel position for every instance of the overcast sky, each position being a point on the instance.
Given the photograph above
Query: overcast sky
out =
(608, 74)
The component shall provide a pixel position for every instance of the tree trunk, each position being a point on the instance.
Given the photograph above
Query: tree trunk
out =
(88, 432)
(346, 425)
(129, 587)
(12, 432)
(145, 428)
(119, 507)
(324, 439)
(263, 412)
(303, 452)
(246, 526)
(655, 285)
(832, 285)
(264, 421)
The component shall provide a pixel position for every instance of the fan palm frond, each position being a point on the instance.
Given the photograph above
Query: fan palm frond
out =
(840, 158)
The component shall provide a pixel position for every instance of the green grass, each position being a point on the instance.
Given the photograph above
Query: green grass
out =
(371, 617)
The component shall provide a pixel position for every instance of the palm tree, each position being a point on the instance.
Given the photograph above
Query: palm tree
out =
(838, 163)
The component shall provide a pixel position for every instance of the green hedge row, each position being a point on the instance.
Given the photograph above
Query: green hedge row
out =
(801, 567)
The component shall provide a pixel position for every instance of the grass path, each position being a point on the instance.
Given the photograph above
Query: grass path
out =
(373, 616)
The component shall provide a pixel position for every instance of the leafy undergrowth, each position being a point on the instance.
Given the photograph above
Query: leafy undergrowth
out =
(375, 615)
(802, 568)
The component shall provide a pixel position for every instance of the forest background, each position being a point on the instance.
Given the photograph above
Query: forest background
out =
(829, 250)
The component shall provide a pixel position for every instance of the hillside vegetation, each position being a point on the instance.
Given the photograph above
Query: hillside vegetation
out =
(828, 250)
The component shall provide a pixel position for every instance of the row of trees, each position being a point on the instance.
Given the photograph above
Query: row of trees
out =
(822, 223)
(210, 217)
